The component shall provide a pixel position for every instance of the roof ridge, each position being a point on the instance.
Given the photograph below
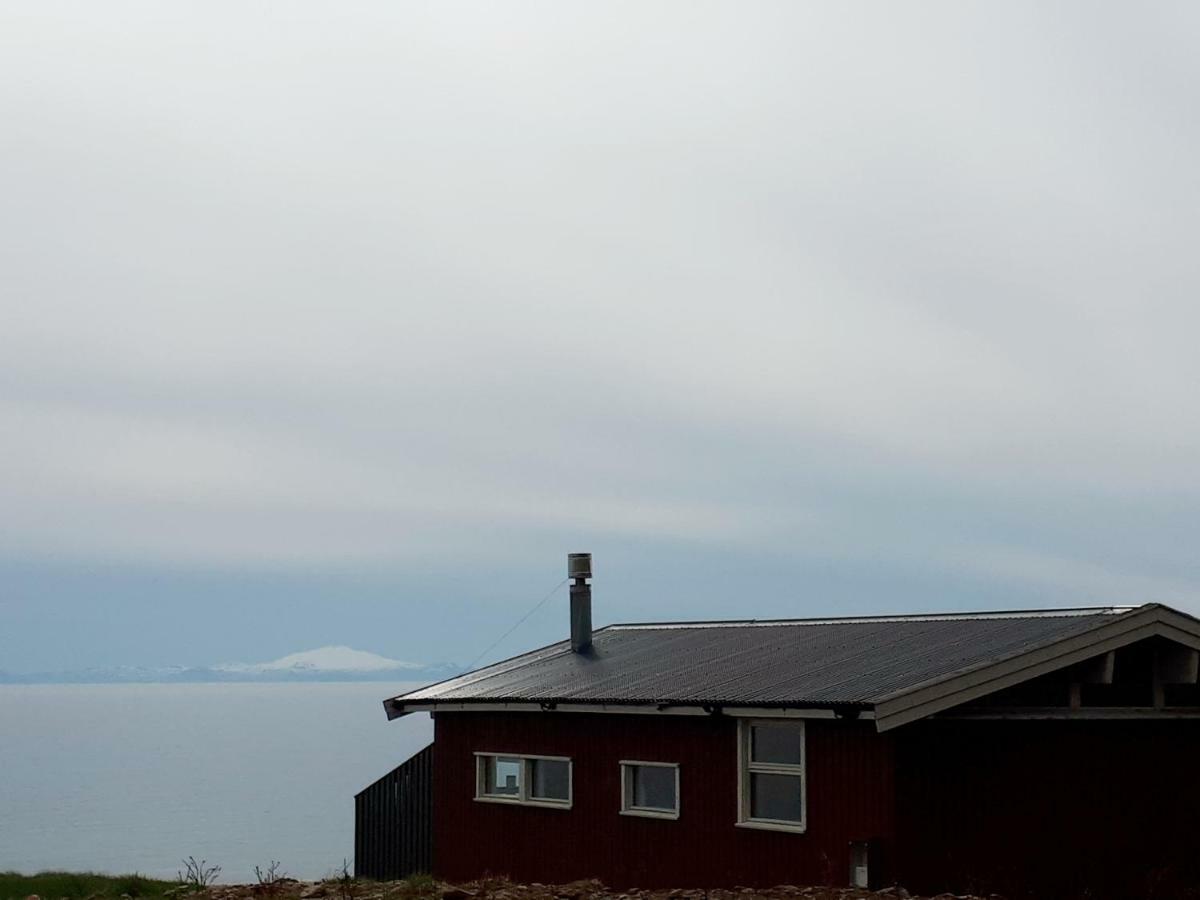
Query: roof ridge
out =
(1049, 613)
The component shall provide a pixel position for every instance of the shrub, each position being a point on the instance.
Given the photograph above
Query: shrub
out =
(196, 876)
(269, 879)
(417, 886)
(135, 885)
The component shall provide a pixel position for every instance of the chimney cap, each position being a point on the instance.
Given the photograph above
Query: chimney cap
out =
(579, 565)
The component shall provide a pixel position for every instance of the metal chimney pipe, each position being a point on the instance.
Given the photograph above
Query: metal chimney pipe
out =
(579, 570)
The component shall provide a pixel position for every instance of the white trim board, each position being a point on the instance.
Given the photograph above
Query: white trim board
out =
(646, 812)
(959, 688)
(631, 709)
(747, 767)
(1086, 714)
(524, 796)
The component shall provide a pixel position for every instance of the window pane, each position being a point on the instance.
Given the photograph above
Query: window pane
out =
(654, 787)
(776, 744)
(775, 797)
(503, 776)
(551, 779)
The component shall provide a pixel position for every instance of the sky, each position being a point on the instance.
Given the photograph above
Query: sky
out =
(329, 323)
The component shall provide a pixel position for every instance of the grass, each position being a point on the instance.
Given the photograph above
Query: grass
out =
(80, 885)
(416, 886)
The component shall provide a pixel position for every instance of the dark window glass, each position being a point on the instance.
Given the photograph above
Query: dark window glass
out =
(551, 779)
(777, 744)
(775, 797)
(654, 787)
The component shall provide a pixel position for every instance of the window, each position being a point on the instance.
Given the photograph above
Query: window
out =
(771, 761)
(650, 789)
(550, 779)
(523, 778)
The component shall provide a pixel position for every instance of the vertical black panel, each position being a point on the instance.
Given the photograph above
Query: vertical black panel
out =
(393, 823)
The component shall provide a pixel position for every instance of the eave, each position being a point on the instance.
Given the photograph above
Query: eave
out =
(936, 696)
(395, 709)
(914, 702)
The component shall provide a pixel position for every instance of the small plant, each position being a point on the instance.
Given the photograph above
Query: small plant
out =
(418, 885)
(491, 884)
(269, 879)
(347, 883)
(135, 885)
(196, 876)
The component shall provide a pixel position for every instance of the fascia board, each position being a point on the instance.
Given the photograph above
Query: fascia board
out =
(625, 709)
(925, 700)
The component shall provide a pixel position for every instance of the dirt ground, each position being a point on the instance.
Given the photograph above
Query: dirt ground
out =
(500, 889)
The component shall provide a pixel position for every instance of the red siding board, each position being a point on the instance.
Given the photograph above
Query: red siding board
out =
(1042, 810)
(1050, 810)
(850, 797)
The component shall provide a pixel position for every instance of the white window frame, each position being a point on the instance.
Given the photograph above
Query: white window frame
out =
(746, 766)
(648, 812)
(523, 797)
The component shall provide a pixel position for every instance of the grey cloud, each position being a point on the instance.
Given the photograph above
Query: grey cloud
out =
(839, 281)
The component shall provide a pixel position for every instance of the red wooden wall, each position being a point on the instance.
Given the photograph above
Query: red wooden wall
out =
(850, 797)
(1050, 810)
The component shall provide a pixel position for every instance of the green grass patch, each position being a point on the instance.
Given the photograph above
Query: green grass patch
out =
(80, 885)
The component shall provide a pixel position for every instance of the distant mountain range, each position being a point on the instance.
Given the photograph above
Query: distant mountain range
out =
(322, 664)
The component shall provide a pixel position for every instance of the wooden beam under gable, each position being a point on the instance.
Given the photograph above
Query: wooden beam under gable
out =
(1176, 664)
(1098, 670)
(961, 688)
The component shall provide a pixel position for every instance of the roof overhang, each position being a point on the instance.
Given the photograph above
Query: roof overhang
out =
(396, 708)
(944, 693)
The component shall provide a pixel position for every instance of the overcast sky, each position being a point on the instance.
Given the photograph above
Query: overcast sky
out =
(345, 322)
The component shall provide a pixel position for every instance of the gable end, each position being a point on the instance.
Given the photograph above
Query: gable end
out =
(956, 689)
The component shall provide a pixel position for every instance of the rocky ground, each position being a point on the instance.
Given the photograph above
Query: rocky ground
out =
(421, 888)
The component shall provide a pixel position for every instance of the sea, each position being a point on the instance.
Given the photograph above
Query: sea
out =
(120, 778)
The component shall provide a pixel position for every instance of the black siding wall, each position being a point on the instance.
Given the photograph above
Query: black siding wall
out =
(393, 822)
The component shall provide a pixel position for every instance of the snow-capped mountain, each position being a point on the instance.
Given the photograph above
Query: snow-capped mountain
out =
(324, 659)
(335, 663)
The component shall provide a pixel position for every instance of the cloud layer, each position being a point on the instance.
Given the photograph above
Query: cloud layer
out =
(888, 288)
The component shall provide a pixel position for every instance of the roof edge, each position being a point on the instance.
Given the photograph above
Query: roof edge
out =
(933, 696)
(854, 710)
(496, 668)
(1049, 613)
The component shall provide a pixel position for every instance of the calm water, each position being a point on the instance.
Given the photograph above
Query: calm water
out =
(116, 778)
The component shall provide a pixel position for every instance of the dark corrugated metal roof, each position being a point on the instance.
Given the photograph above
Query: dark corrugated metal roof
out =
(788, 663)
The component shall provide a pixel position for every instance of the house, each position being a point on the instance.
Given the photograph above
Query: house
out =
(1049, 753)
